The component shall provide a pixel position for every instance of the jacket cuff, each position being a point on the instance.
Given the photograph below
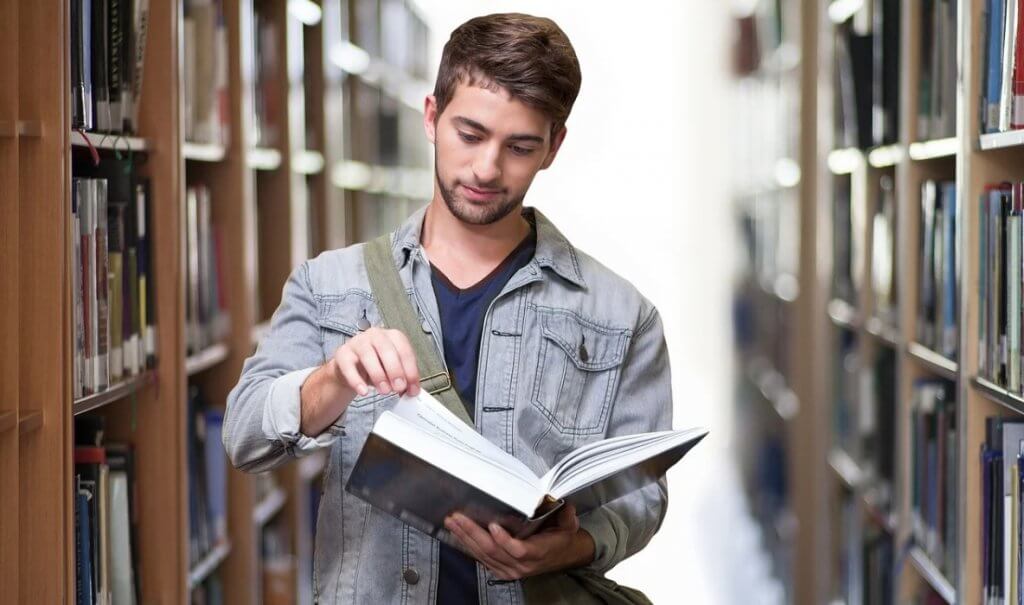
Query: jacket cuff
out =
(281, 415)
(607, 551)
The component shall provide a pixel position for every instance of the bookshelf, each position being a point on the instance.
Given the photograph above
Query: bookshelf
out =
(272, 205)
(775, 195)
(878, 284)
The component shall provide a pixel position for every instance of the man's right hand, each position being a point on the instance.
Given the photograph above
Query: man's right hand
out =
(377, 358)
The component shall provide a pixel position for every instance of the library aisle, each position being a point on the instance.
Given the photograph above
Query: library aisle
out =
(167, 164)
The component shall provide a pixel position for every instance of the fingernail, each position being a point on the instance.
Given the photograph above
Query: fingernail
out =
(384, 388)
(399, 384)
(362, 390)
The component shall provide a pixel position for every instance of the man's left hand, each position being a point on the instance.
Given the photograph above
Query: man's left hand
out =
(562, 546)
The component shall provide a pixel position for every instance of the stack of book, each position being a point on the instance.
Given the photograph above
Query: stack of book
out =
(207, 477)
(1000, 273)
(936, 101)
(937, 324)
(113, 301)
(933, 452)
(206, 315)
(106, 561)
(205, 72)
(108, 41)
(867, 60)
(1001, 470)
(1003, 83)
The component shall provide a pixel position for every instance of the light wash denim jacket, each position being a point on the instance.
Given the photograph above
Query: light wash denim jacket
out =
(570, 353)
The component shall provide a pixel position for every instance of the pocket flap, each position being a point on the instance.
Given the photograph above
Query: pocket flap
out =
(590, 346)
(344, 312)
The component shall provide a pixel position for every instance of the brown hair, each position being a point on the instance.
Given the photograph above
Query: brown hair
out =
(529, 57)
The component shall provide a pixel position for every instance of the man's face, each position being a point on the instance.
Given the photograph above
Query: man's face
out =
(487, 149)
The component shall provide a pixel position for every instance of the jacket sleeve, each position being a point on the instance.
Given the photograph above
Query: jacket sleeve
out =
(261, 423)
(643, 404)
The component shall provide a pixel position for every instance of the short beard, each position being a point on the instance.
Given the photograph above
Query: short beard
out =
(470, 213)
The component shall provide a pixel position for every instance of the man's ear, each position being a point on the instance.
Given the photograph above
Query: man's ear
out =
(556, 144)
(430, 118)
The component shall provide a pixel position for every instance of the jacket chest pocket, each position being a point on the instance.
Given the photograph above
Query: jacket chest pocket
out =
(342, 316)
(578, 369)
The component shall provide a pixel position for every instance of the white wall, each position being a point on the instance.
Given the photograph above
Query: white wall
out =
(640, 185)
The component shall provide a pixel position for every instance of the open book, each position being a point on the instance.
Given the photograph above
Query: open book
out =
(420, 463)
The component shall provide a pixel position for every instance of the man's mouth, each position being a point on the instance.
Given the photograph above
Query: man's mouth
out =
(480, 194)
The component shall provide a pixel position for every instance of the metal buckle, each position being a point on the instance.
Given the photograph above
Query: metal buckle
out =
(447, 382)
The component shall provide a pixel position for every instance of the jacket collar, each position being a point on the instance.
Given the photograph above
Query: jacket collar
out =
(553, 251)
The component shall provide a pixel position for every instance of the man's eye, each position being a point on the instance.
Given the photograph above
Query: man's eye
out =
(516, 149)
(469, 138)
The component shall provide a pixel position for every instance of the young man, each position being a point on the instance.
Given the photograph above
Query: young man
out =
(547, 348)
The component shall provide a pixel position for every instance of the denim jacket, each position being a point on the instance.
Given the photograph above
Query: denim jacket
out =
(570, 353)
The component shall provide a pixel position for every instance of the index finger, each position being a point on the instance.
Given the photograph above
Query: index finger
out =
(407, 357)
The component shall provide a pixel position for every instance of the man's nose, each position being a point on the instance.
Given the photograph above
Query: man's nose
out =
(487, 167)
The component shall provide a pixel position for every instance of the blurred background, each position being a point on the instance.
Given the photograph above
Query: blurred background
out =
(784, 179)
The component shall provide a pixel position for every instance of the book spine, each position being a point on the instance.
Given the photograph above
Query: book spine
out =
(140, 29)
(101, 90)
(1013, 292)
(89, 279)
(983, 286)
(994, 71)
(102, 308)
(1009, 53)
(115, 64)
(76, 286)
(115, 278)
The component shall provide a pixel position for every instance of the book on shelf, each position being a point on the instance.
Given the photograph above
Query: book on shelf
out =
(847, 242)
(933, 438)
(1000, 273)
(1002, 463)
(205, 73)
(854, 69)
(936, 106)
(107, 60)
(937, 323)
(209, 592)
(420, 448)
(885, 71)
(106, 565)
(884, 284)
(1003, 86)
(207, 477)
(112, 304)
(877, 423)
(206, 315)
(266, 58)
(878, 567)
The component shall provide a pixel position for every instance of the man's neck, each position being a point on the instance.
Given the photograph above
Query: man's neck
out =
(463, 252)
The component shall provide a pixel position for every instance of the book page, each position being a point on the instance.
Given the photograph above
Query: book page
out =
(429, 414)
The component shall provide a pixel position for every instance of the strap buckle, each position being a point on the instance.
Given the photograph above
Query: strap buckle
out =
(446, 384)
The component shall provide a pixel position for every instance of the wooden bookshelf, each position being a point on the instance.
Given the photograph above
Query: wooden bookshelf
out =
(970, 159)
(274, 206)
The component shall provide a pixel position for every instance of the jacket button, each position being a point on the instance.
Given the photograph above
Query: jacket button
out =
(425, 326)
(411, 576)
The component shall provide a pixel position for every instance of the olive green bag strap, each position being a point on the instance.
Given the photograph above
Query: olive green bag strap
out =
(398, 314)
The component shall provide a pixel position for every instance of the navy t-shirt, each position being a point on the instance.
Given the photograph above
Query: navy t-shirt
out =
(462, 317)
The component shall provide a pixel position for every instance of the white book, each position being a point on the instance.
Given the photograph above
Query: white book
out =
(422, 463)
(1009, 47)
(122, 582)
(1013, 273)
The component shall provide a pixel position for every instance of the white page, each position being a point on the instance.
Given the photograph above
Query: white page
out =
(428, 413)
(454, 458)
(593, 450)
(605, 456)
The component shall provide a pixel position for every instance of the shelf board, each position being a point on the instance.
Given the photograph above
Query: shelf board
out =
(841, 10)
(310, 467)
(935, 363)
(307, 162)
(1001, 140)
(206, 359)
(931, 574)
(119, 391)
(264, 158)
(204, 152)
(846, 468)
(111, 141)
(998, 394)
(886, 156)
(843, 314)
(883, 332)
(30, 420)
(271, 504)
(845, 161)
(208, 564)
(8, 420)
(934, 149)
